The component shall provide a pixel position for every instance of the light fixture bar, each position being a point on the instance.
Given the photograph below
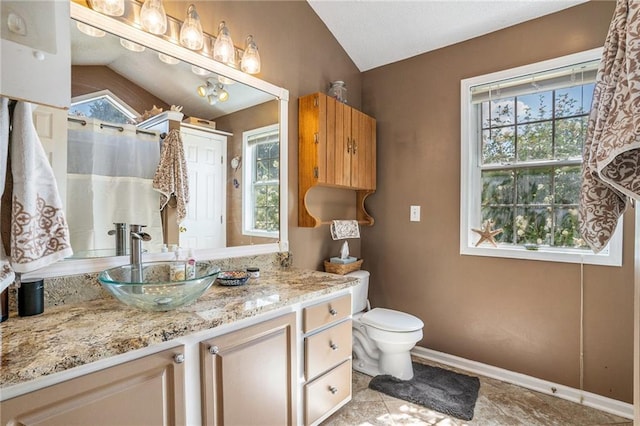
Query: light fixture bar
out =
(172, 34)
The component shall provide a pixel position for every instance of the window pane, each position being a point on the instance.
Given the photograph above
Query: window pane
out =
(498, 145)
(567, 184)
(535, 141)
(502, 217)
(566, 233)
(533, 226)
(574, 100)
(502, 113)
(497, 187)
(570, 136)
(101, 109)
(533, 186)
(534, 107)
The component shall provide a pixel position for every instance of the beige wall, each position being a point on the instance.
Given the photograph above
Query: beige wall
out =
(520, 315)
(248, 119)
(298, 53)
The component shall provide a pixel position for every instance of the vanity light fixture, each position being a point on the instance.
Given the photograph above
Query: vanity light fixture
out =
(250, 58)
(167, 59)
(129, 45)
(223, 49)
(108, 7)
(191, 35)
(89, 30)
(153, 17)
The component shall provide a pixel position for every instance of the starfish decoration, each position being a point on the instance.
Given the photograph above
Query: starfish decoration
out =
(487, 233)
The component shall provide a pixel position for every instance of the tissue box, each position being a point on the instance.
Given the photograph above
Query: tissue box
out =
(349, 259)
(342, 268)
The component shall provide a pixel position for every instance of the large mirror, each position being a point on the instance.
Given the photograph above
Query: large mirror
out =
(130, 92)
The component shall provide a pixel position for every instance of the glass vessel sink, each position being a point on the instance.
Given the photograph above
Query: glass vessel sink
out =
(151, 288)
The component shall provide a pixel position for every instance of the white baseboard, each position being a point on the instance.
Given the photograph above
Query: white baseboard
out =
(589, 399)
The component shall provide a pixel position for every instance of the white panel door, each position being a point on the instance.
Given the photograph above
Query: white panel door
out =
(205, 224)
(51, 126)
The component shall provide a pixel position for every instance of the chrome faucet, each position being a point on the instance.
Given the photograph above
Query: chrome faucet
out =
(121, 238)
(137, 237)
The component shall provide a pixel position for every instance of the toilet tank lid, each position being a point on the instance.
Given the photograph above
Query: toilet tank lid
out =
(390, 320)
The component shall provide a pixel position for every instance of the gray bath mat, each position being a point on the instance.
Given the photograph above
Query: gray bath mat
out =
(435, 388)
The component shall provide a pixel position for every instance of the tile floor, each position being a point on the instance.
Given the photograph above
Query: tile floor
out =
(498, 404)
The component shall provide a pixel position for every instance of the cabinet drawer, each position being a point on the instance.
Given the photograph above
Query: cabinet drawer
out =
(325, 313)
(327, 349)
(327, 392)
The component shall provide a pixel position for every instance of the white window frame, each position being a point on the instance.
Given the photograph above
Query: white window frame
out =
(247, 187)
(470, 183)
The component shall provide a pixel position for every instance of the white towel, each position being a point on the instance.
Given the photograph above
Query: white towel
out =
(7, 275)
(171, 175)
(341, 229)
(39, 231)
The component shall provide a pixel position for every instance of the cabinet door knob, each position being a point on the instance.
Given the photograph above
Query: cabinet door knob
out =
(354, 147)
(213, 350)
(333, 312)
(348, 146)
(333, 346)
(333, 389)
(178, 358)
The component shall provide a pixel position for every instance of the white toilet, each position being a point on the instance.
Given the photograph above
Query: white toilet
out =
(382, 338)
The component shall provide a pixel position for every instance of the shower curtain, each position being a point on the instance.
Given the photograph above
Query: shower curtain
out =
(109, 176)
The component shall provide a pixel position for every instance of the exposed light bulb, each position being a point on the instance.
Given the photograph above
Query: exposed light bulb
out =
(108, 7)
(129, 45)
(191, 35)
(203, 90)
(153, 17)
(89, 30)
(223, 95)
(223, 48)
(251, 58)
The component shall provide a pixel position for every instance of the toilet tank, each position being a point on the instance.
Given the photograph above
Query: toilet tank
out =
(360, 291)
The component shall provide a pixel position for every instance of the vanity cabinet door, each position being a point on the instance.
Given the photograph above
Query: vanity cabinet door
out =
(249, 376)
(146, 391)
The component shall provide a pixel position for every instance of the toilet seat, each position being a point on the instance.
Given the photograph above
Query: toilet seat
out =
(390, 320)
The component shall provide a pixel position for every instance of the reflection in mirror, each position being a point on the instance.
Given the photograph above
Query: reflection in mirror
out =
(125, 99)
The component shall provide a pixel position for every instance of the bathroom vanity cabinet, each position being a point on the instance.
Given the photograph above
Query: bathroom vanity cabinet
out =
(337, 148)
(146, 391)
(327, 358)
(249, 376)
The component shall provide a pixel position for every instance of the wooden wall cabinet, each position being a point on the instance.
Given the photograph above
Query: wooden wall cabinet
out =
(337, 148)
(248, 377)
(146, 391)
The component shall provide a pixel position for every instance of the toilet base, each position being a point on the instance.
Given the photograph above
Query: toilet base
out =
(396, 364)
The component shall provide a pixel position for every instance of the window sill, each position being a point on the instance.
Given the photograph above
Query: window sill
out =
(547, 254)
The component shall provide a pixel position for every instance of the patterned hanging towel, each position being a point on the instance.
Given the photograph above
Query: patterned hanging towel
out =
(171, 175)
(7, 276)
(341, 229)
(611, 169)
(39, 231)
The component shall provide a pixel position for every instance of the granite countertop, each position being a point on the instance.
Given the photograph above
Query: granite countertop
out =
(71, 335)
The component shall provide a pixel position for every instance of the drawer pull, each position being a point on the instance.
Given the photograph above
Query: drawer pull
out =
(333, 346)
(333, 389)
(178, 358)
(213, 350)
(333, 312)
